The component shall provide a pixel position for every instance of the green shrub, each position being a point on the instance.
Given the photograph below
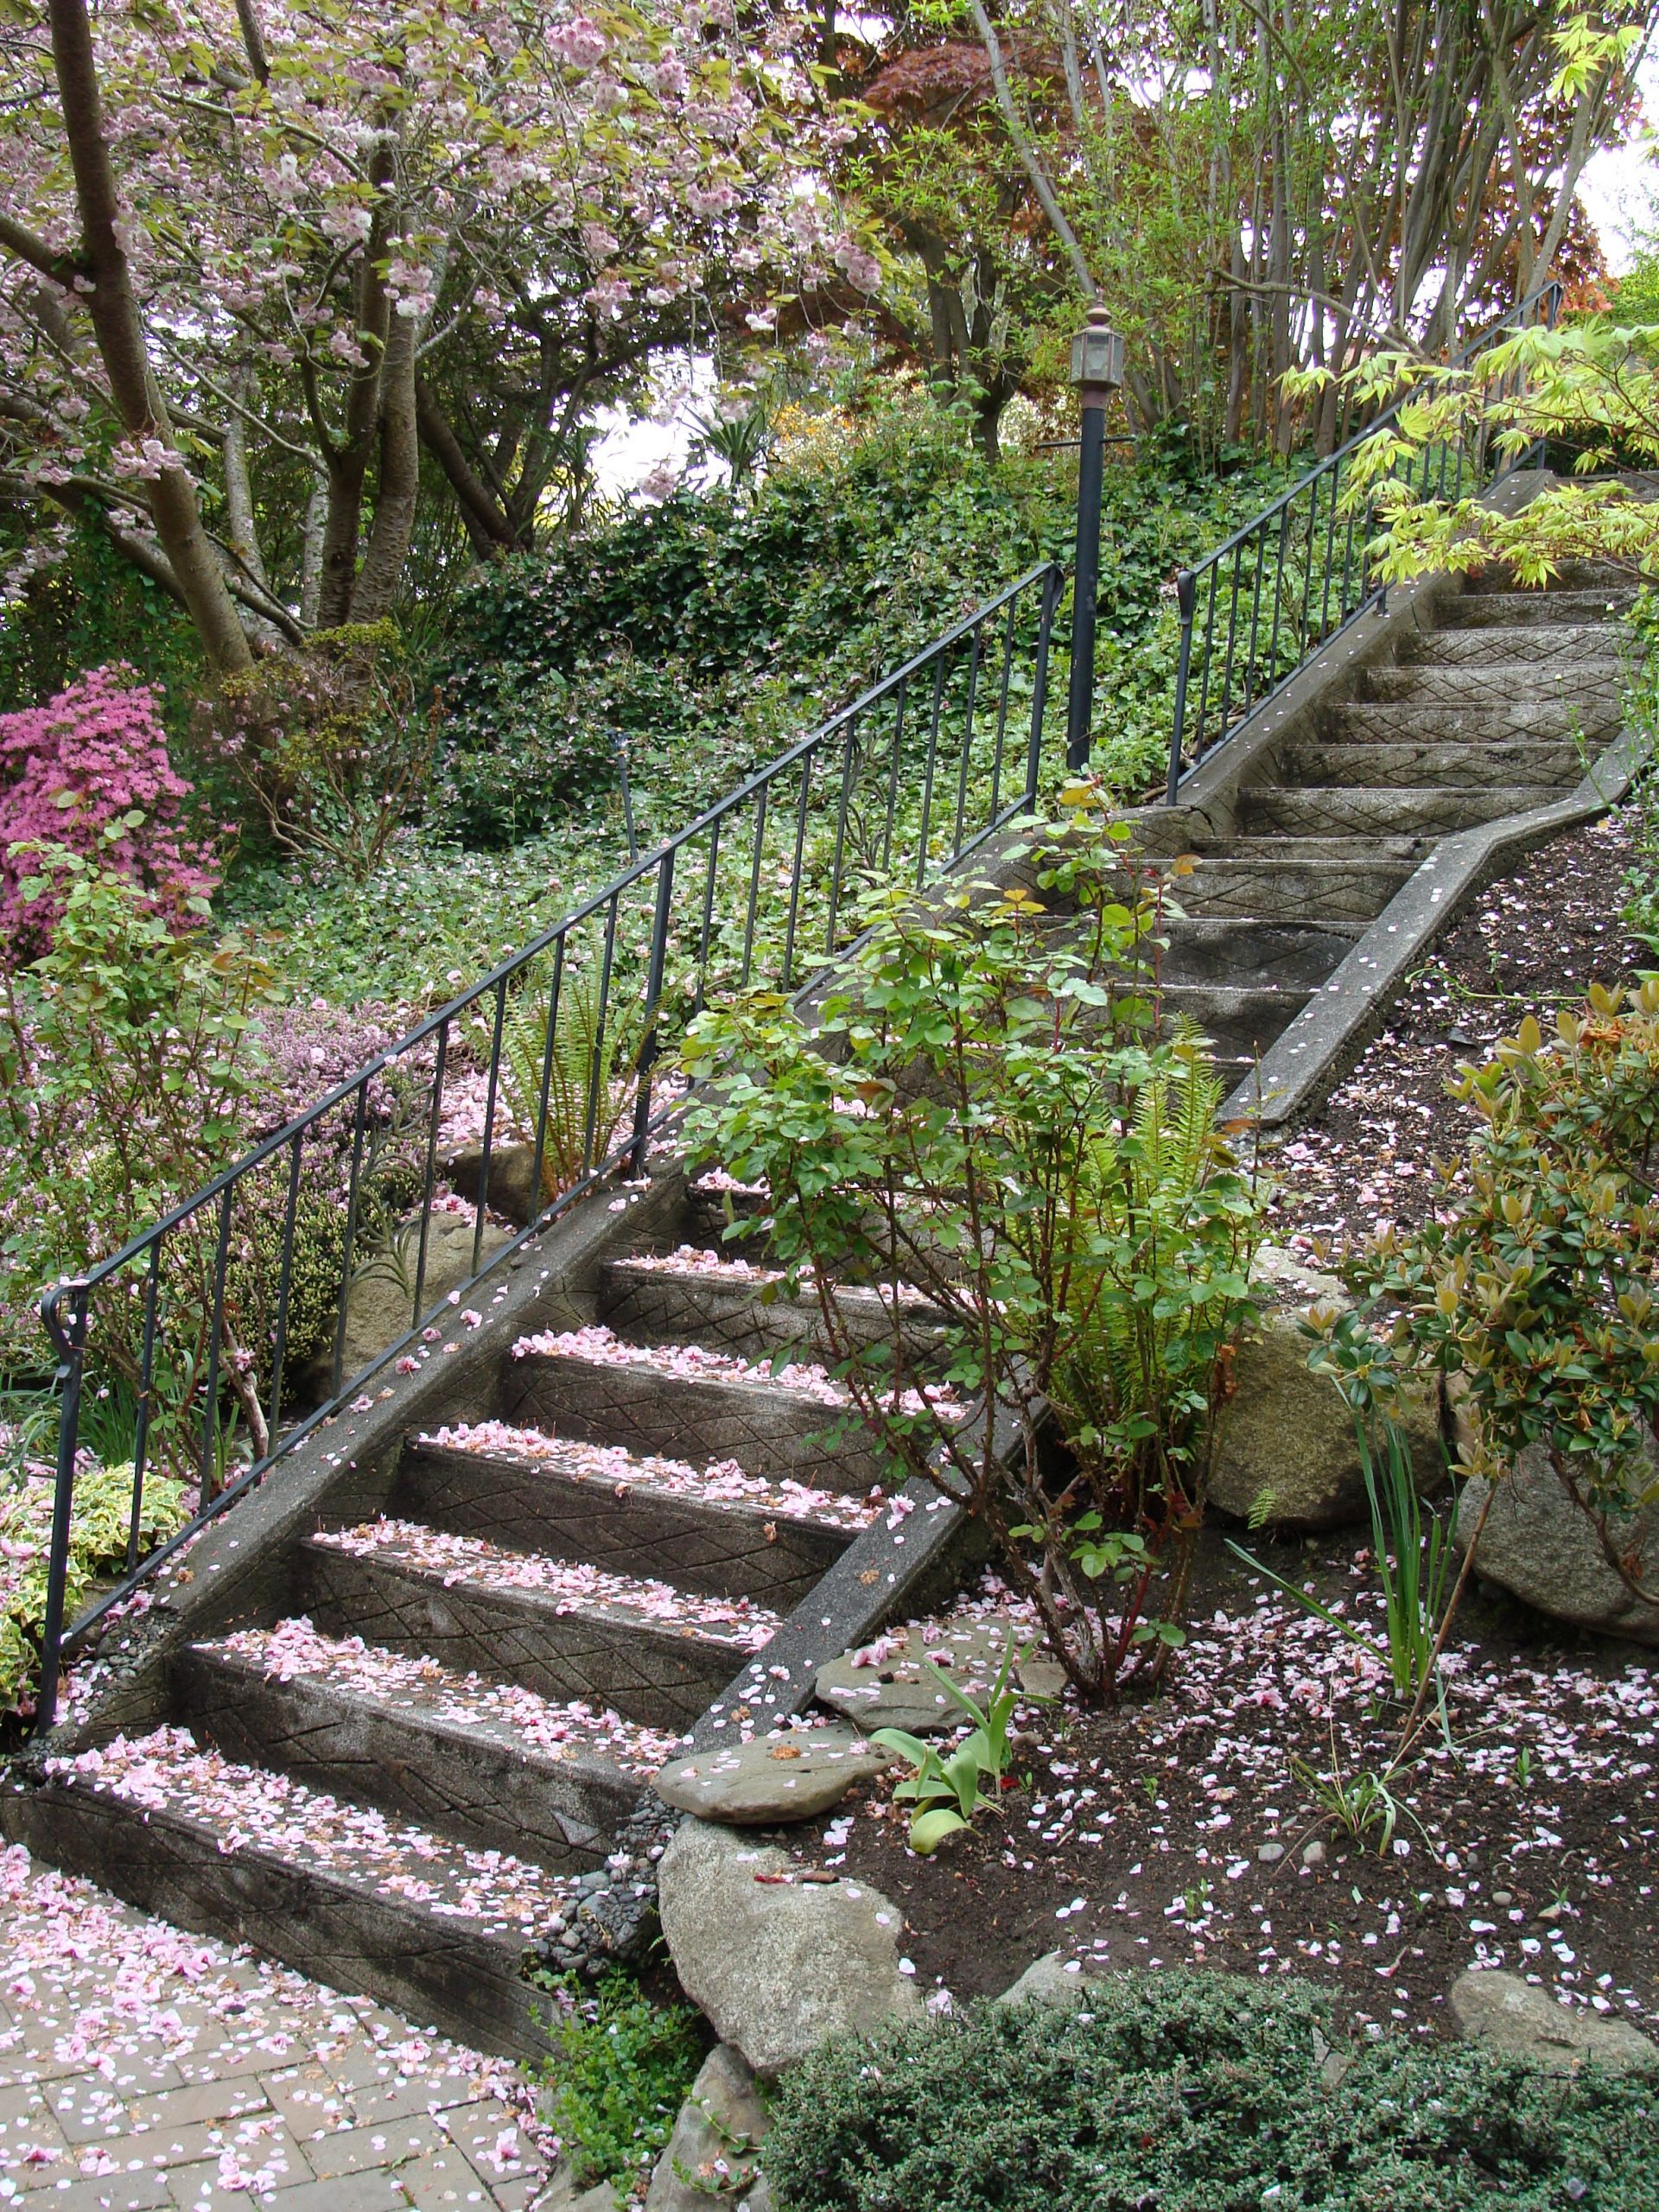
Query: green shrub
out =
(985, 1112)
(97, 1541)
(1197, 2093)
(617, 2073)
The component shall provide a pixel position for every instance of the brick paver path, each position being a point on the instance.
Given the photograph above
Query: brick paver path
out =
(142, 2067)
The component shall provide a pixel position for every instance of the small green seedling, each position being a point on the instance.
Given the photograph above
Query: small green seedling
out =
(946, 1792)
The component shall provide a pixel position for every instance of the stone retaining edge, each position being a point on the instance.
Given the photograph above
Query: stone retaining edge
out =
(1324, 1040)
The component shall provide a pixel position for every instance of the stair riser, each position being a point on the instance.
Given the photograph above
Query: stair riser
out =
(1590, 691)
(1472, 768)
(653, 1306)
(561, 1813)
(1337, 891)
(1357, 813)
(1595, 651)
(430, 1967)
(724, 1550)
(650, 1675)
(766, 1430)
(1288, 956)
(1482, 610)
(1397, 724)
(1240, 1023)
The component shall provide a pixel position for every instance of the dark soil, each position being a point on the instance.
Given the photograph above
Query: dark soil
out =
(1135, 1838)
(1534, 941)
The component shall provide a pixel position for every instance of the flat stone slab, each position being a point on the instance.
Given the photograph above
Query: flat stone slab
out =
(1049, 1980)
(896, 1690)
(1503, 2013)
(792, 1776)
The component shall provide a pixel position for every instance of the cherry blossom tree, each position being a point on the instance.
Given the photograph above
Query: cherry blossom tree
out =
(257, 257)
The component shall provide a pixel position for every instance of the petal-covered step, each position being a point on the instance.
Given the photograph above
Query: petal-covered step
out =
(1430, 810)
(718, 1299)
(562, 1628)
(1511, 761)
(341, 1891)
(684, 1402)
(488, 1763)
(713, 1529)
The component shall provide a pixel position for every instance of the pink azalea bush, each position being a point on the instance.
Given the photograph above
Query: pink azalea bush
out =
(90, 772)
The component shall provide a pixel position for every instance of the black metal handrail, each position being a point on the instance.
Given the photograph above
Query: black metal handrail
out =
(1254, 611)
(206, 1316)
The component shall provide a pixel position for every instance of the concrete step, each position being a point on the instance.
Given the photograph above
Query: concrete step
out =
(1523, 684)
(489, 1763)
(1513, 761)
(1302, 879)
(1347, 809)
(1541, 721)
(559, 1627)
(1591, 647)
(1482, 609)
(363, 1903)
(1282, 956)
(1241, 1020)
(685, 1405)
(716, 1528)
(717, 1299)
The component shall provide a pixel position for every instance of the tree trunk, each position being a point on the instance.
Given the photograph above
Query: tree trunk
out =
(118, 329)
(398, 487)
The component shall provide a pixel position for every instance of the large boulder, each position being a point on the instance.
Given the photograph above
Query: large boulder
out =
(710, 2155)
(379, 1308)
(1521, 2020)
(511, 1189)
(1286, 1451)
(1543, 1548)
(777, 1963)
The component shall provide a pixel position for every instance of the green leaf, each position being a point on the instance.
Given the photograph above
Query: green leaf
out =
(929, 1830)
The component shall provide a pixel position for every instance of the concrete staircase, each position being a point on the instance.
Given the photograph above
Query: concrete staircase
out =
(404, 1778)
(1494, 708)
(406, 1755)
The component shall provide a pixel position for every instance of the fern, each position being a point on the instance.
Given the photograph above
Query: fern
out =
(590, 1068)
(1134, 1203)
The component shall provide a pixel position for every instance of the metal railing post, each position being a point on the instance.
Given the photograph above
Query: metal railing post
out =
(1096, 370)
(1186, 599)
(71, 1345)
(654, 992)
(1040, 685)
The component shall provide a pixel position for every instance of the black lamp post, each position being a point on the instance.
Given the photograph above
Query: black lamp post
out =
(1096, 370)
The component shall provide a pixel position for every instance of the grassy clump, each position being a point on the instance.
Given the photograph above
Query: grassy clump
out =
(619, 2068)
(1198, 2093)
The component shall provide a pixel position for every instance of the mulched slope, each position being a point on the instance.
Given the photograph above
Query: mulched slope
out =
(1136, 1838)
(1533, 941)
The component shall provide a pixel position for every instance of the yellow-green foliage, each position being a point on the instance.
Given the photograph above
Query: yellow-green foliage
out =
(97, 1544)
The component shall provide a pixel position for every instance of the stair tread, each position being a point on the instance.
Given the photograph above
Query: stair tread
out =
(698, 1265)
(801, 1380)
(1399, 794)
(257, 1810)
(422, 1690)
(722, 1482)
(570, 1586)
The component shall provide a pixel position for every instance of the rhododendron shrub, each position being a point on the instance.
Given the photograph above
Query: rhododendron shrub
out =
(89, 772)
